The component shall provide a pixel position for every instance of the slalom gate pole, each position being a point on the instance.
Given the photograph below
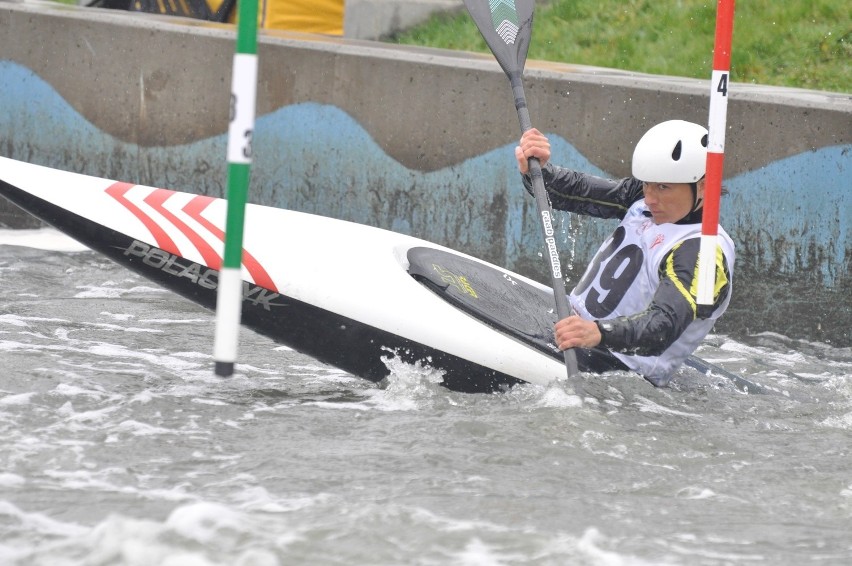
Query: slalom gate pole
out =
(229, 295)
(719, 84)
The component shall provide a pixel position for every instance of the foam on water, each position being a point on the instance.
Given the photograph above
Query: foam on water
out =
(42, 239)
(119, 446)
(203, 534)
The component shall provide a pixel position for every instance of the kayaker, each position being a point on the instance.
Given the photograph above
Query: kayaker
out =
(636, 304)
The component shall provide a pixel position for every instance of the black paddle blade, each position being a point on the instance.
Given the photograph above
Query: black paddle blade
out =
(506, 26)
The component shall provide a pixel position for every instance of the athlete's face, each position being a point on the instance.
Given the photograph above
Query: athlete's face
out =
(670, 202)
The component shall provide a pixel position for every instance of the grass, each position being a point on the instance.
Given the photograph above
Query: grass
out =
(797, 43)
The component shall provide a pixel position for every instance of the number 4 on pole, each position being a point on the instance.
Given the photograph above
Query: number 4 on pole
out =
(722, 87)
(715, 151)
(229, 295)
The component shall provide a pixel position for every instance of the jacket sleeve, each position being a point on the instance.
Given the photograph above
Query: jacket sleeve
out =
(586, 194)
(673, 308)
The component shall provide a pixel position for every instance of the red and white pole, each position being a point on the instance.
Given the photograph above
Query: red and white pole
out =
(719, 84)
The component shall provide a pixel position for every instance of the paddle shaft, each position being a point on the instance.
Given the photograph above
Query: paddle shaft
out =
(563, 308)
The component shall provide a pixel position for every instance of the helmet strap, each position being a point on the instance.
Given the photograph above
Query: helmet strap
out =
(696, 202)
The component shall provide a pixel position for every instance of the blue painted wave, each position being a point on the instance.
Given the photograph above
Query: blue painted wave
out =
(788, 217)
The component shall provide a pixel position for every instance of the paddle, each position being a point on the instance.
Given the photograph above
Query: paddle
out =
(506, 26)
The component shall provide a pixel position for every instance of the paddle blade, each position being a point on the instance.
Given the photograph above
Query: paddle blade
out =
(506, 26)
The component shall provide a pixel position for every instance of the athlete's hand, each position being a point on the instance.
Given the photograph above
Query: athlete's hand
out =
(533, 144)
(576, 332)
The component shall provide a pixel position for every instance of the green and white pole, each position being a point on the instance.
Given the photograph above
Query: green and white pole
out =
(229, 295)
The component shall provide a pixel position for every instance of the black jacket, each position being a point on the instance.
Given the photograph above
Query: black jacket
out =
(652, 331)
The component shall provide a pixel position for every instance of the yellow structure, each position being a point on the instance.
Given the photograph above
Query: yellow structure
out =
(311, 16)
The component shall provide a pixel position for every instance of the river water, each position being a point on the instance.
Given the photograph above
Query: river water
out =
(118, 446)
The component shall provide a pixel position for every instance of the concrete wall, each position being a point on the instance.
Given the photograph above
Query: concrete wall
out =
(374, 19)
(420, 141)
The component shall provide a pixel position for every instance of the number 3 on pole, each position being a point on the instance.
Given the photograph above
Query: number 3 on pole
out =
(242, 112)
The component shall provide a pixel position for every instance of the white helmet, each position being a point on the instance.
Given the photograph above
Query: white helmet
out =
(671, 152)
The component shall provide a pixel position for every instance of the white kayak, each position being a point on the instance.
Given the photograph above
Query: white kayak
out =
(346, 294)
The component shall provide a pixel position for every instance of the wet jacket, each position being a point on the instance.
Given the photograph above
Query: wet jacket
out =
(641, 285)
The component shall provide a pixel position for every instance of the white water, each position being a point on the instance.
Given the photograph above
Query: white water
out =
(118, 446)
